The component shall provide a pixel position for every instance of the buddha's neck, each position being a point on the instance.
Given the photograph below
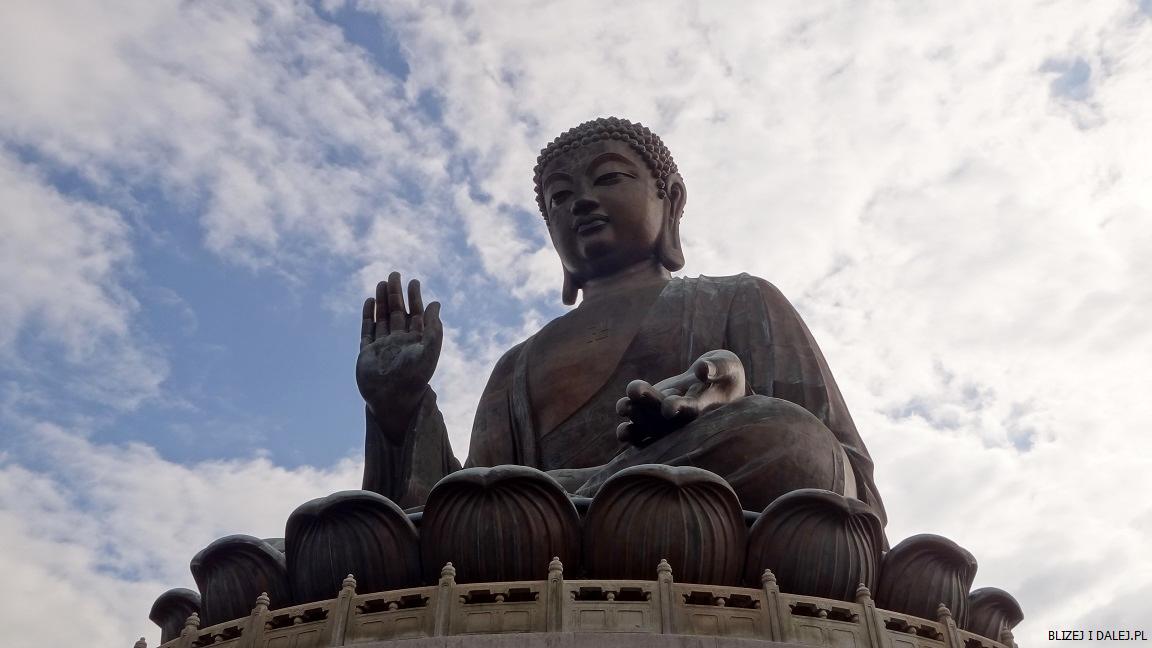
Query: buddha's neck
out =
(649, 273)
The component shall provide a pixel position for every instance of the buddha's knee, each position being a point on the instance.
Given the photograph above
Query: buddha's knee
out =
(766, 447)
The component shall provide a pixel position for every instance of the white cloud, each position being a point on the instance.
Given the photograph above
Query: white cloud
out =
(954, 194)
(108, 528)
(285, 138)
(958, 205)
(65, 262)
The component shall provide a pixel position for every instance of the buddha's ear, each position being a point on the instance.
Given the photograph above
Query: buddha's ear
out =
(677, 195)
(568, 292)
(671, 254)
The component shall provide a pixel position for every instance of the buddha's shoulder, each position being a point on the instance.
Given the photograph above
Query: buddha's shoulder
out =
(738, 284)
(506, 366)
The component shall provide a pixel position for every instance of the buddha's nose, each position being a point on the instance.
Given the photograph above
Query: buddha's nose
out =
(584, 206)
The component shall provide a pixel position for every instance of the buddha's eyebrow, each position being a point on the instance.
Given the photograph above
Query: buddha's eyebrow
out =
(555, 176)
(609, 157)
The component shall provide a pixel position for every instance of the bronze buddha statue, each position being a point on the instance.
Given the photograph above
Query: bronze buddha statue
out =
(715, 372)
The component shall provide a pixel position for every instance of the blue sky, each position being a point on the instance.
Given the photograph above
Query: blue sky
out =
(196, 198)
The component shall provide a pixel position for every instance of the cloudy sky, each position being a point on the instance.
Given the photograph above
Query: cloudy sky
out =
(195, 198)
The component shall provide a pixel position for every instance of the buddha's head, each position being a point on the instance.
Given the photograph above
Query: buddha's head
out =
(612, 199)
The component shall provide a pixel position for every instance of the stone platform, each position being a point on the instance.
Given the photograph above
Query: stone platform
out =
(579, 640)
(570, 613)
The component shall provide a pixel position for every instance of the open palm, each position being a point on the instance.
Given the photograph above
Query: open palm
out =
(399, 348)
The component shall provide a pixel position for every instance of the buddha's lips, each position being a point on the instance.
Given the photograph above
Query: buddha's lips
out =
(589, 224)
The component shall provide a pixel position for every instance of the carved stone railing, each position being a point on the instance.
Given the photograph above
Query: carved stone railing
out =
(582, 606)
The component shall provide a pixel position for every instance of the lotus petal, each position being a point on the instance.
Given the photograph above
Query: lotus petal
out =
(498, 524)
(647, 513)
(172, 609)
(232, 572)
(350, 532)
(922, 572)
(817, 543)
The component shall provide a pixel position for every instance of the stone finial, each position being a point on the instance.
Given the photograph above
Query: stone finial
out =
(349, 583)
(767, 577)
(943, 614)
(262, 601)
(1007, 638)
(863, 593)
(663, 570)
(555, 568)
(448, 574)
(192, 624)
(140, 643)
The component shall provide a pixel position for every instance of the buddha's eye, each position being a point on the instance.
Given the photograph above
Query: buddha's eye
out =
(560, 196)
(613, 177)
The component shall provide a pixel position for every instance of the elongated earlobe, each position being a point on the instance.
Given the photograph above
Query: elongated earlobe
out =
(671, 256)
(568, 292)
(668, 249)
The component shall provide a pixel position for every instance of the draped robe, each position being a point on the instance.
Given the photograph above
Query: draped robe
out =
(743, 314)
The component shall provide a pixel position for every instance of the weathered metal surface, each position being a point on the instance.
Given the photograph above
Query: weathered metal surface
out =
(498, 524)
(817, 543)
(233, 571)
(350, 532)
(647, 513)
(991, 611)
(923, 572)
(172, 609)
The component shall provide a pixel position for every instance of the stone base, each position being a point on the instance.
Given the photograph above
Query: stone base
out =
(579, 640)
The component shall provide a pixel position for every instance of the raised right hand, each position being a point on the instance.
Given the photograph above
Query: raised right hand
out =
(398, 350)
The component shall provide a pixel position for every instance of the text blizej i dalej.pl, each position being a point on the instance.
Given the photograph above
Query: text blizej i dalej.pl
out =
(1097, 635)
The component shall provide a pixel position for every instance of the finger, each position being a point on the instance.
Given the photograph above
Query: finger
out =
(624, 407)
(705, 370)
(433, 328)
(624, 432)
(415, 303)
(643, 393)
(396, 314)
(381, 309)
(676, 407)
(368, 322)
(415, 307)
(679, 383)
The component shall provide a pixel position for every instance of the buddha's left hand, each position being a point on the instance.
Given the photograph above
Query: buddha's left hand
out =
(716, 378)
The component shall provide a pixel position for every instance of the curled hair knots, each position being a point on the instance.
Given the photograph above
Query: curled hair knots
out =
(647, 145)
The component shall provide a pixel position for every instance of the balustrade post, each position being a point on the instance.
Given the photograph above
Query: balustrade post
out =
(140, 643)
(188, 634)
(253, 633)
(341, 613)
(951, 635)
(1007, 638)
(554, 597)
(665, 602)
(445, 601)
(873, 624)
(776, 620)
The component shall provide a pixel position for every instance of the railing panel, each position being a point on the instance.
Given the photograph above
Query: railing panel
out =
(581, 606)
(612, 606)
(719, 611)
(221, 635)
(399, 614)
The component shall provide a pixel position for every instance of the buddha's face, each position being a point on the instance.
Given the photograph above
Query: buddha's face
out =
(603, 211)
